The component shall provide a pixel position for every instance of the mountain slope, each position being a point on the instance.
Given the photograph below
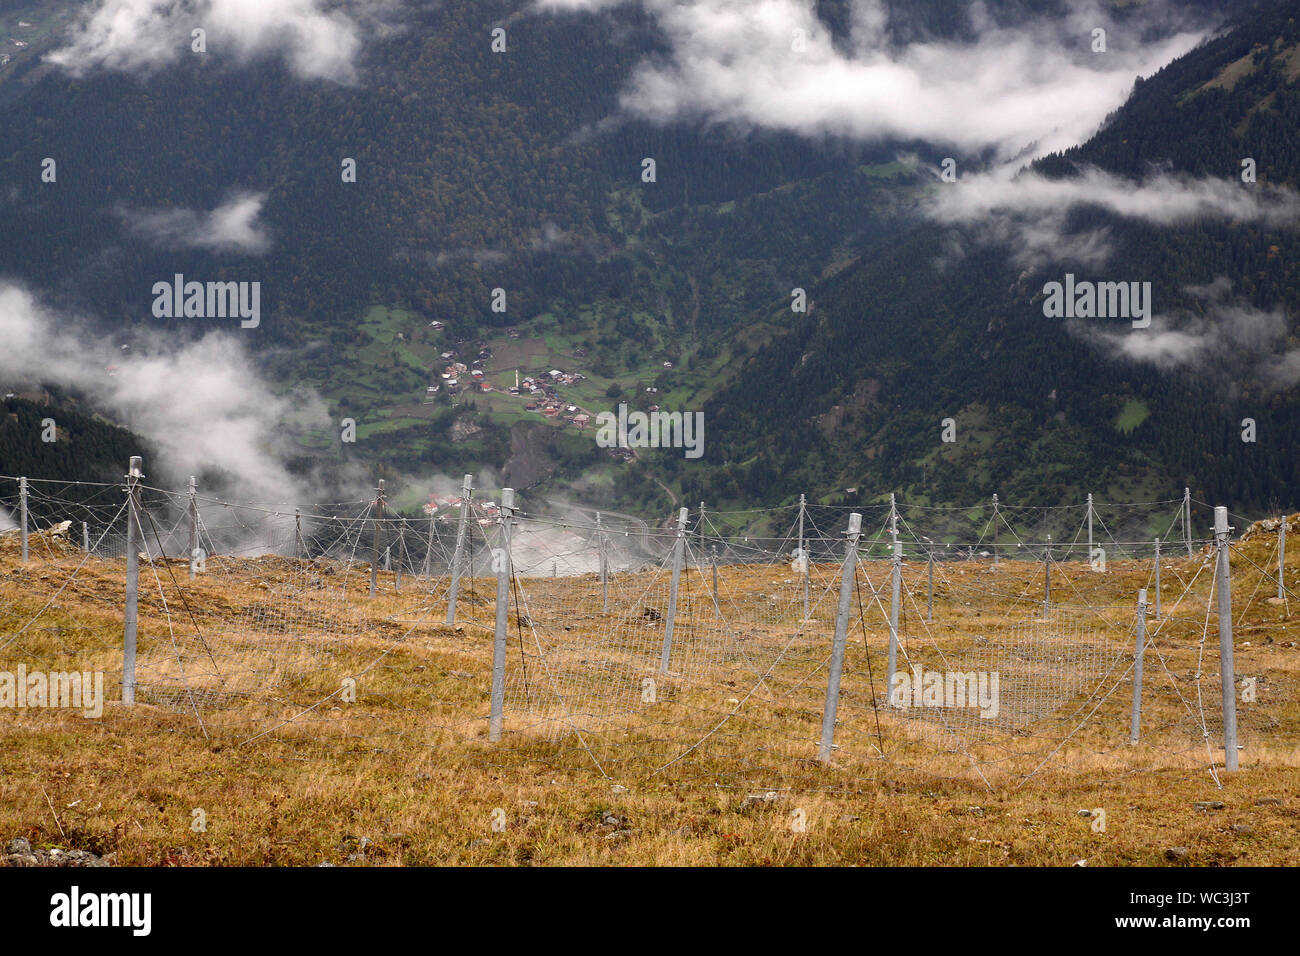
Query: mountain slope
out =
(916, 335)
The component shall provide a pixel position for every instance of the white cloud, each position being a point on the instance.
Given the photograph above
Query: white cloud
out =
(318, 39)
(1228, 339)
(199, 401)
(1034, 87)
(230, 227)
(1028, 213)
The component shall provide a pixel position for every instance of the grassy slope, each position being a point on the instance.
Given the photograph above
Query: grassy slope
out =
(408, 768)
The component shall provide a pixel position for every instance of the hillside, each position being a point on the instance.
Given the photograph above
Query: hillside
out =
(479, 171)
(521, 192)
(916, 334)
(310, 723)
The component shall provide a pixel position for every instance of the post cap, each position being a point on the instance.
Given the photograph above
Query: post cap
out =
(136, 469)
(469, 482)
(1142, 597)
(855, 523)
(507, 499)
(1221, 520)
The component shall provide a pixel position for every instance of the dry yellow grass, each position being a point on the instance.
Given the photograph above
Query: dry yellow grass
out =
(292, 773)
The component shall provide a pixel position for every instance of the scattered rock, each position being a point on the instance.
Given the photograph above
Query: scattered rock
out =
(1204, 805)
(1268, 802)
(849, 818)
(768, 799)
(1079, 863)
(612, 821)
(20, 852)
(1176, 854)
(1243, 829)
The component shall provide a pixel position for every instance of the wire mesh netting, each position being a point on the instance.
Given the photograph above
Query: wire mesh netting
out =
(765, 648)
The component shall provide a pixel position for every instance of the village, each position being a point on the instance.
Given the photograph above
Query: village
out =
(539, 391)
(12, 46)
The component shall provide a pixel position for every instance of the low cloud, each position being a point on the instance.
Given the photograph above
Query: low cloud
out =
(230, 227)
(1224, 337)
(319, 40)
(1026, 88)
(1030, 212)
(199, 401)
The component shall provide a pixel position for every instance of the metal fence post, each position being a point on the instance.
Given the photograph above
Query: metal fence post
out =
(848, 580)
(130, 617)
(1047, 578)
(929, 585)
(1135, 724)
(22, 514)
(602, 551)
(194, 524)
(85, 537)
(427, 570)
(803, 551)
(297, 533)
(895, 589)
(1281, 557)
(678, 547)
(1089, 528)
(456, 556)
(713, 559)
(501, 561)
(1226, 670)
(374, 550)
(1187, 519)
(995, 530)
(1157, 581)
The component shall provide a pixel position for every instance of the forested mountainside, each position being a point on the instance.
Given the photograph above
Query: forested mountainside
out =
(477, 172)
(474, 172)
(81, 447)
(915, 333)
